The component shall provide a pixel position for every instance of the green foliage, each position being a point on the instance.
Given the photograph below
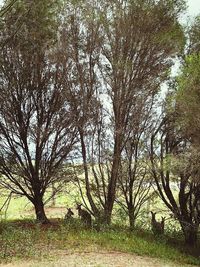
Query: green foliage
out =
(188, 86)
(188, 98)
(31, 25)
(194, 36)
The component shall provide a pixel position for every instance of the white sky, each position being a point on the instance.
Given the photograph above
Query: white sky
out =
(193, 7)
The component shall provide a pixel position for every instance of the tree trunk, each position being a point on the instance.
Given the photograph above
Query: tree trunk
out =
(190, 232)
(39, 211)
(107, 217)
(131, 219)
(113, 180)
(53, 195)
(86, 172)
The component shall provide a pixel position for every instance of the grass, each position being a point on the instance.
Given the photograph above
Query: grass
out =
(22, 208)
(38, 241)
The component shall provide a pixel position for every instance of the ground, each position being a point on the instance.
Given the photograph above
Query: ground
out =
(95, 259)
(27, 244)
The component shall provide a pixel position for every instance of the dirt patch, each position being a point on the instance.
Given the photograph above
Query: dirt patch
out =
(95, 259)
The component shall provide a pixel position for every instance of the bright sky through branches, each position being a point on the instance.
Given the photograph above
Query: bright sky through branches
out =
(193, 7)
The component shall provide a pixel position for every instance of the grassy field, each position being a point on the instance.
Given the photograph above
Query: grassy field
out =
(25, 240)
(21, 208)
(19, 233)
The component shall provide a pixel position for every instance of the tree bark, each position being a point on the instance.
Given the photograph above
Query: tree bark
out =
(113, 179)
(86, 172)
(131, 219)
(107, 217)
(190, 232)
(39, 210)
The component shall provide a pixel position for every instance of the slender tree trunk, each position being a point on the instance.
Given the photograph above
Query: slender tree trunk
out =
(131, 219)
(39, 210)
(53, 195)
(113, 180)
(86, 172)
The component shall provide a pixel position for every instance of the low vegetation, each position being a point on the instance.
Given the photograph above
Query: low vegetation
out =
(39, 242)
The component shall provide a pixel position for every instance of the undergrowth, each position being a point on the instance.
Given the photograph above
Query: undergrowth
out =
(28, 240)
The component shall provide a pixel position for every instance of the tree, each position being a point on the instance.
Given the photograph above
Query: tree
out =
(135, 182)
(79, 40)
(174, 171)
(136, 51)
(186, 95)
(175, 143)
(6, 8)
(188, 98)
(123, 50)
(194, 37)
(37, 130)
(17, 19)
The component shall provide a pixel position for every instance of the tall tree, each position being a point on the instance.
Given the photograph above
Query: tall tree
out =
(126, 47)
(135, 182)
(188, 98)
(136, 51)
(175, 172)
(80, 48)
(175, 143)
(187, 86)
(187, 94)
(37, 126)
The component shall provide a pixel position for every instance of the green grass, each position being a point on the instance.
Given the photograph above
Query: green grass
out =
(21, 207)
(27, 240)
(37, 242)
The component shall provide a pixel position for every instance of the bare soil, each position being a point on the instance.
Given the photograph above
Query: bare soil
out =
(94, 259)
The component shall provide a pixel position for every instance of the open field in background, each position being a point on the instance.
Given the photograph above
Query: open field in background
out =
(21, 208)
